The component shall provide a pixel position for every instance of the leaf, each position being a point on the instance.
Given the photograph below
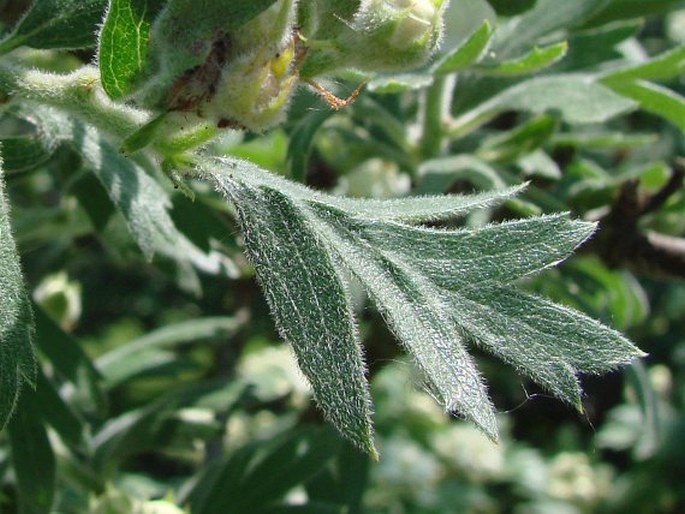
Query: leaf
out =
(57, 413)
(288, 463)
(665, 66)
(142, 201)
(155, 425)
(94, 199)
(137, 356)
(69, 361)
(255, 476)
(399, 82)
(547, 17)
(411, 209)
(17, 360)
(537, 59)
(625, 9)
(499, 253)
(33, 459)
(124, 41)
(602, 139)
(656, 99)
(343, 481)
(577, 99)
(595, 47)
(437, 175)
(60, 24)
(25, 149)
(309, 303)
(307, 508)
(22, 153)
(532, 326)
(469, 52)
(144, 135)
(524, 139)
(438, 289)
(632, 82)
(301, 142)
(511, 7)
(418, 318)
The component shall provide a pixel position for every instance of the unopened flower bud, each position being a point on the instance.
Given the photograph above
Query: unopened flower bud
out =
(395, 34)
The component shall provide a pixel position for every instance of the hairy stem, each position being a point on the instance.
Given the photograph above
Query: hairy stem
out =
(434, 117)
(79, 93)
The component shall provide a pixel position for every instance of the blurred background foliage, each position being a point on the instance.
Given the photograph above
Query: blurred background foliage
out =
(151, 395)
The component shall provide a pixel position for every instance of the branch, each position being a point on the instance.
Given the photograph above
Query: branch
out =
(620, 242)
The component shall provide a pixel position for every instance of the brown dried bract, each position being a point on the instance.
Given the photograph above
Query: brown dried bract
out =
(198, 84)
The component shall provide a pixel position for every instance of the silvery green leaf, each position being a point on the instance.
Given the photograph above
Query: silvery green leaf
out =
(143, 202)
(547, 342)
(415, 209)
(309, 303)
(439, 289)
(418, 315)
(499, 253)
(17, 360)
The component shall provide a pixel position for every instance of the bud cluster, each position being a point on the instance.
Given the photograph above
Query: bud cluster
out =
(244, 77)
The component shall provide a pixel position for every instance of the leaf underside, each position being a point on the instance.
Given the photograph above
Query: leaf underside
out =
(439, 290)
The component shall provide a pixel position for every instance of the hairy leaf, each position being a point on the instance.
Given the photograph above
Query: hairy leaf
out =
(143, 202)
(438, 289)
(521, 328)
(17, 361)
(418, 317)
(410, 209)
(497, 253)
(310, 305)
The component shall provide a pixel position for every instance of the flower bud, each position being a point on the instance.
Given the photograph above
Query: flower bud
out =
(381, 35)
(395, 34)
(253, 91)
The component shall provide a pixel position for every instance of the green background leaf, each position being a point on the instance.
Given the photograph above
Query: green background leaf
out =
(59, 24)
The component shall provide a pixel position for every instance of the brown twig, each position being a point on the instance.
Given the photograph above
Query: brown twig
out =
(621, 242)
(333, 101)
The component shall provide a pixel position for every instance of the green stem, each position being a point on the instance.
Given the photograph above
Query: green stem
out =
(78, 92)
(188, 140)
(434, 117)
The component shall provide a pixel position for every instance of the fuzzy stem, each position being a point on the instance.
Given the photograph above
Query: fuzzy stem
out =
(188, 140)
(433, 119)
(78, 92)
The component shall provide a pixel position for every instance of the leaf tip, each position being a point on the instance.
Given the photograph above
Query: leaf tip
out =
(373, 452)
